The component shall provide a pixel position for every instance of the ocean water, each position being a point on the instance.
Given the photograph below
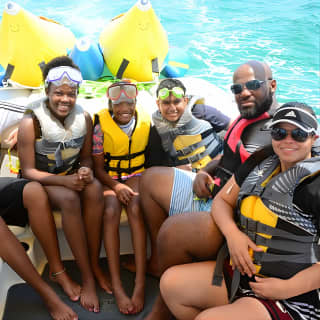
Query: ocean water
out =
(219, 35)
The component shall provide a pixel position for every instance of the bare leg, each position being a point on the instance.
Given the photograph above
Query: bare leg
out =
(35, 200)
(111, 223)
(204, 241)
(155, 187)
(138, 234)
(93, 209)
(14, 254)
(188, 291)
(69, 203)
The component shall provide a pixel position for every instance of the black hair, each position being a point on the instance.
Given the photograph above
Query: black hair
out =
(170, 84)
(58, 62)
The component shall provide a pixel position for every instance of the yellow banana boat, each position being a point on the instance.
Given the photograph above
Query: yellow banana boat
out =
(135, 44)
(27, 42)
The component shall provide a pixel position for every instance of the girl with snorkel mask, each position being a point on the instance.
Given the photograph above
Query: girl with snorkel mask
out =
(120, 137)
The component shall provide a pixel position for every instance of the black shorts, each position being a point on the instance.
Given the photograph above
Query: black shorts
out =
(11, 201)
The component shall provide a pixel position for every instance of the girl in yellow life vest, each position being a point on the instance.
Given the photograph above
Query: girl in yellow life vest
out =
(120, 137)
(274, 245)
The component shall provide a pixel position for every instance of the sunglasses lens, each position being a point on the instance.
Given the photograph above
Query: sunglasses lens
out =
(253, 85)
(296, 134)
(278, 134)
(299, 135)
(236, 88)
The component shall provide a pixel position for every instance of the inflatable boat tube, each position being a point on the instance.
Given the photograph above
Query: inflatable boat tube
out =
(27, 42)
(88, 56)
(134, 44)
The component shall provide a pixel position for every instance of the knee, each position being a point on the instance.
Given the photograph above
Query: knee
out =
(168, 281)
(111, 214)
(33, 191)
(93, 192)
(69, 201)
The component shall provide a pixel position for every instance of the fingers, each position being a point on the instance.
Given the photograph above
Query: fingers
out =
(201, 183)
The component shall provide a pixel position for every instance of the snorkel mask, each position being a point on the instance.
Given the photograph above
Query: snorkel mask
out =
(63, 75)
(123, 91)
(165, 92)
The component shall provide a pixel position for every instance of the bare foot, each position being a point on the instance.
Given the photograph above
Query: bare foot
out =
(59, 310)
(138, 298)
(125, 305)
(102, 279)
(88, 298)
(71, 288)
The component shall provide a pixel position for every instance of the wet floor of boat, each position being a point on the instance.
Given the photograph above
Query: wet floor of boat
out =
(24, 303)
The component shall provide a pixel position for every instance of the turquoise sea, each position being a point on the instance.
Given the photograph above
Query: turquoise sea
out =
(219, 35)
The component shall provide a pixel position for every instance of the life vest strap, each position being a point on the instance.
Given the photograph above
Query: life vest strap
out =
(260, 257)
(123, 170)
(250, 225)
(127, 157)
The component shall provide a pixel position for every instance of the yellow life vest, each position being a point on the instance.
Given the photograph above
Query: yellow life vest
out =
(124, 155)
(288, 236)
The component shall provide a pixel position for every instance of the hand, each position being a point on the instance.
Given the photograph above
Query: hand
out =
(271, 288)
(239, 245)
(86, 175)
(201, 184)
(12, 139)
(186, 167)
(73, 182)
(124, 193)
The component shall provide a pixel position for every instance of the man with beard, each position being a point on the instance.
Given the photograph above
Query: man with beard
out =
(190, 233)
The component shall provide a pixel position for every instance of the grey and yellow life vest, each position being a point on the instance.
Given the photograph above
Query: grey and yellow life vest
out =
(123, 155)
(58, 148)
(266, 213)
(189, 140)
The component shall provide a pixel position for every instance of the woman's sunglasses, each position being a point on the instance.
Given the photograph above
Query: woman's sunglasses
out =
(250, 85)
(298, 134)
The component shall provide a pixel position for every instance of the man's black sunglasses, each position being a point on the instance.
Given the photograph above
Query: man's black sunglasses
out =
(298, 134)
(237, 88)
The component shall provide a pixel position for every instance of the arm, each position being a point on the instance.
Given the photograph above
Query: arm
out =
(26, 141)
(222, 212)
(85, 172)
(217, 119)
(276, 289)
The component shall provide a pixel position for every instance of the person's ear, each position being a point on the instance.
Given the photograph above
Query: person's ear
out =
(273, 85)
(158, 103)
